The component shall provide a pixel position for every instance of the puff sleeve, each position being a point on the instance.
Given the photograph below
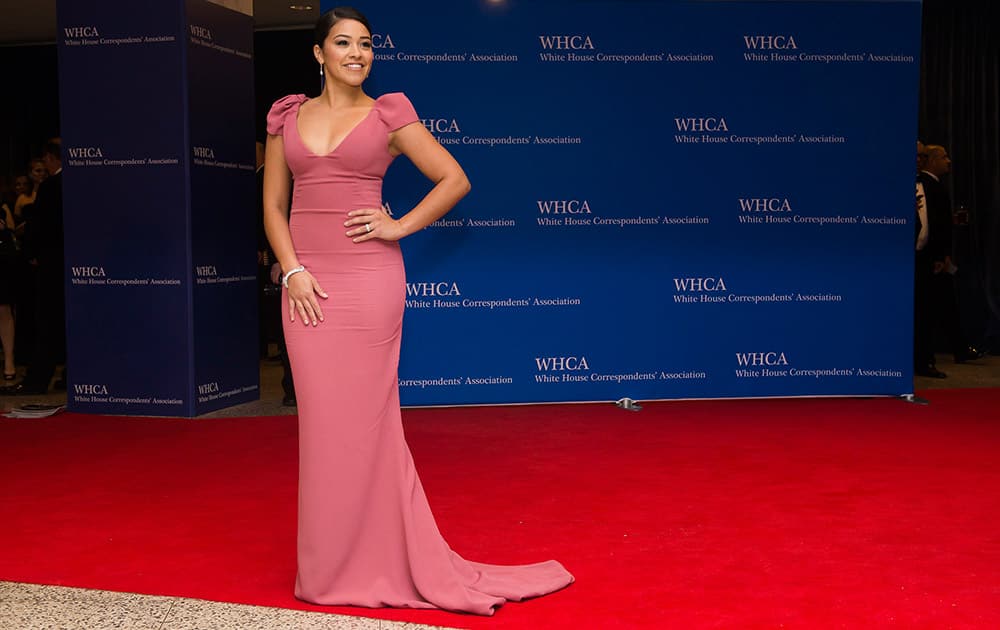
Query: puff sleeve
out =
(396, 110)
(280, 110)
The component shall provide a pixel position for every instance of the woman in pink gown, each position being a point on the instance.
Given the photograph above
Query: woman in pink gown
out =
(366, 534)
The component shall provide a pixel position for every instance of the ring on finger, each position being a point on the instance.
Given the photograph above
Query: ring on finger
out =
(368, 227)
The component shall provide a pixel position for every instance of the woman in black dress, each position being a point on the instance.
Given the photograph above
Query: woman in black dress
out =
(9, 257)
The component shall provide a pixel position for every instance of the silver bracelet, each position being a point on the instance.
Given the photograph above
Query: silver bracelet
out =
(291, 272)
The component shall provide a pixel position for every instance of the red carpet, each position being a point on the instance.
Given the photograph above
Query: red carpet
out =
(737, 514)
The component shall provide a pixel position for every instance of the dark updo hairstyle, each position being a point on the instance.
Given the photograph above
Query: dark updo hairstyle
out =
(331, 17)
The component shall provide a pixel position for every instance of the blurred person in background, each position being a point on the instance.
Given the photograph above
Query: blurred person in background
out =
(43, 248)
(21, 275)
(10, 259)
(37, 173)
(945, 319)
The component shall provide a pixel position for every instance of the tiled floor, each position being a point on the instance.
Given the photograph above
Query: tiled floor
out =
(34, 607)
(31, 607)
(984, 372)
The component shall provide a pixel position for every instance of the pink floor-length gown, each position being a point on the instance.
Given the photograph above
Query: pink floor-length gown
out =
(366, 533)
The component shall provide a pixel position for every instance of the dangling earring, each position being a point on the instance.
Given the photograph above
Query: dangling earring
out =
(320, 69)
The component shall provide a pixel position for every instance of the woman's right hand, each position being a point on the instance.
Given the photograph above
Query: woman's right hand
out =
(302, 291)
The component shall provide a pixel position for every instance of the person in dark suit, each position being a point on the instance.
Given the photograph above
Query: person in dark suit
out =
(43, 248)
(924, 363)
(270, 301)
(935, 268)
(266, 323)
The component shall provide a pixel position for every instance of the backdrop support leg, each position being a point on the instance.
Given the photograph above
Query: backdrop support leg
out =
(628, 404)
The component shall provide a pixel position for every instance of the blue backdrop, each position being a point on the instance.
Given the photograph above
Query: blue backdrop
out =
(157, 123)
(670, 199)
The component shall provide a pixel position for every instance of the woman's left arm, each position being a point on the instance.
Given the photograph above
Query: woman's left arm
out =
(434, 161)
(22, 200)
(8, 217)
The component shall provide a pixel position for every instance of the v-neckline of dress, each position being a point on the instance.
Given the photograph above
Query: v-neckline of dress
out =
(342, 140)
